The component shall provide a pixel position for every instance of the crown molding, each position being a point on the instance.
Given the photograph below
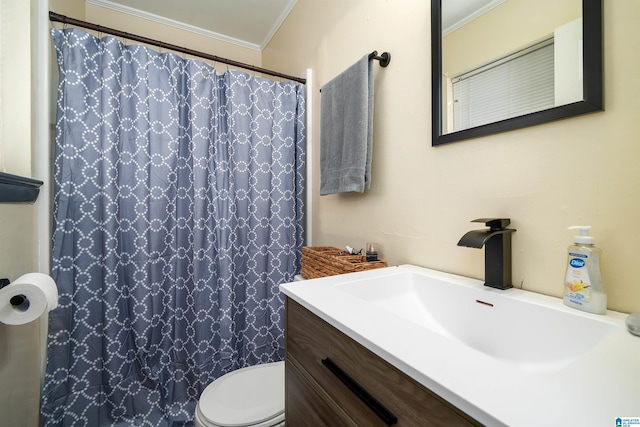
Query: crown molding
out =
(181, 25)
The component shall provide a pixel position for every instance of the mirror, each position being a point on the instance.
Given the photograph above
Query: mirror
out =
(559, 40)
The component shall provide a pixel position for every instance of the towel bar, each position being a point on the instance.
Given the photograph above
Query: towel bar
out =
(384, 59)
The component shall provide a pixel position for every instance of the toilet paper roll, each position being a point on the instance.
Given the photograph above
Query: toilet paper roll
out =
(27, 298)
(44, 282)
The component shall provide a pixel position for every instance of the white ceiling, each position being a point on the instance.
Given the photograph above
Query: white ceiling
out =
(248, 23)
(252, 23)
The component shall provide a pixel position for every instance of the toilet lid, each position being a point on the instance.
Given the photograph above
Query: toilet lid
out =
(244, 397)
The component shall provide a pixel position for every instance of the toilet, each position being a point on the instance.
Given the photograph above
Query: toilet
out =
(247, 397)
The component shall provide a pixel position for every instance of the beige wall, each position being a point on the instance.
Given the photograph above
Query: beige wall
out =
(583, 170)
(20, 374)
(19, 345)
(15, 138)
(16, 220)
(72, 8)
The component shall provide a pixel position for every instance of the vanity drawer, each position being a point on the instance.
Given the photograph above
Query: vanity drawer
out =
(308, 400)
(307, 404)
(310, 341)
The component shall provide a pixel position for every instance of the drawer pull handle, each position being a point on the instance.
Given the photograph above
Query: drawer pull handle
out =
(377, 407)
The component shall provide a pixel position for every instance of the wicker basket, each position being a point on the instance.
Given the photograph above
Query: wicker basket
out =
(322, 261)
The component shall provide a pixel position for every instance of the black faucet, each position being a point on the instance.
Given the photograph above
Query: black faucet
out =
(497, 254)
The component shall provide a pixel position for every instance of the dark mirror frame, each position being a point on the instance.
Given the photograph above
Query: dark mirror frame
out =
(592, 80)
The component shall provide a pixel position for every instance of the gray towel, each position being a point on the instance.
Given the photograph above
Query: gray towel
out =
(346, 127)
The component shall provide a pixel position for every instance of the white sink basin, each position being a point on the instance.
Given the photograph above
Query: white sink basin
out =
(536, 336)
(506, 358)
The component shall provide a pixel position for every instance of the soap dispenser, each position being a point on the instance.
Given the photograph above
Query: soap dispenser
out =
(583, 287)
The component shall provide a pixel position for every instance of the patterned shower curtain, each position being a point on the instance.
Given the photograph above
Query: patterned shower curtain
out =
(177, 213)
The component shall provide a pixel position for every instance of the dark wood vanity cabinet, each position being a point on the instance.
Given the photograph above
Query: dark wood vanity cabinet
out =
(331, 380)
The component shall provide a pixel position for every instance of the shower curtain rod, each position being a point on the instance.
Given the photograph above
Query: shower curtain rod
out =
(55, 17)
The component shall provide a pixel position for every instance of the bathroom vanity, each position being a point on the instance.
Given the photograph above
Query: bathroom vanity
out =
(410, 346)
(334, 381)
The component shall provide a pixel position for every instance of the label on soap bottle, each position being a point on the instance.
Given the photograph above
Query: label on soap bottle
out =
(577, 281)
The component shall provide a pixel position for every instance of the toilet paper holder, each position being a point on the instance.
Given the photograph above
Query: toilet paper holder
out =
(19, 302)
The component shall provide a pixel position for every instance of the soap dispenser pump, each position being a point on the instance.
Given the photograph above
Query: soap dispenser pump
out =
(583, 287)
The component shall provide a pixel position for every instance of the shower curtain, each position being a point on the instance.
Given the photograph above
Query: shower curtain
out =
(177, 213)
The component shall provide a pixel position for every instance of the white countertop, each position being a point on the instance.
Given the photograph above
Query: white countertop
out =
(593, 390)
